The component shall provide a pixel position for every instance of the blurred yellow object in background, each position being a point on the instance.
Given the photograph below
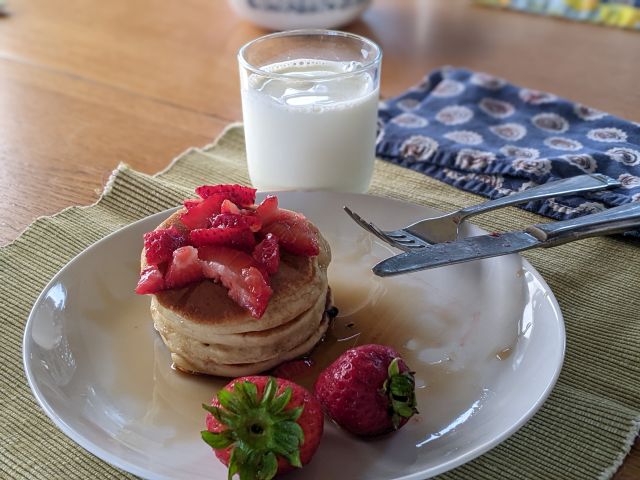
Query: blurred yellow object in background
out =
(583, 5)
(617, 13)
(624, 16)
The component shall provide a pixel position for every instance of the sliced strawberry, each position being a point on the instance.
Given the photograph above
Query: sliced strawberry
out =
(160, 244)
(189, 203)
(225, 220)
(229, 207)
(240, 273)
(198, 215)
(267, 209)
(294, 233)
(185, 268)
(151, 280)
(243, 196)
(267, 253)
(238, 237)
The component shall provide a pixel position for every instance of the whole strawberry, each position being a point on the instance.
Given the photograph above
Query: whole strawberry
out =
(368, 390)
(263, 426)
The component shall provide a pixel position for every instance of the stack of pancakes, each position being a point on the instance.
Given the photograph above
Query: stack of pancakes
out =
(207, 332)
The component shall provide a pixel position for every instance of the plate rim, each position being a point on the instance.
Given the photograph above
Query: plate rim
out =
(130, 467)
(69, 431)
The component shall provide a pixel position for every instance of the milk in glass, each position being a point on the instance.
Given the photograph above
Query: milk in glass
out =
(306, 132)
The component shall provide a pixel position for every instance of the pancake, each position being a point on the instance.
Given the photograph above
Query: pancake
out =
(245, 347)
(195, 365)
(207, 332)
(169, 321)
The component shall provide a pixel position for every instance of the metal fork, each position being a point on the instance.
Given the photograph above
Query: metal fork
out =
(446, 227)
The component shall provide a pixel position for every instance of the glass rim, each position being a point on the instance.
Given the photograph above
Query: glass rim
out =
(309, 32)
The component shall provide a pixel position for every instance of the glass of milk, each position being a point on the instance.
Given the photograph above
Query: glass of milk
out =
(309, 104)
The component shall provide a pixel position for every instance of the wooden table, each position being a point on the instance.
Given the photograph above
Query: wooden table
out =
(85, 85)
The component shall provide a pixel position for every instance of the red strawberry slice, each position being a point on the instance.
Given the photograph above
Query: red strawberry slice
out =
(248, 220)
(294, 233)
(238, 194)
(229, 207)
(267, 253)
(185, 268)
(160, 244)
(151, 280)
(240, 273)
(198, 215)
(189, 203)
(239, 237)
(267, 209)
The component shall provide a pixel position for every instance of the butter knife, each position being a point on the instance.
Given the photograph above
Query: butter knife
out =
(613, 220)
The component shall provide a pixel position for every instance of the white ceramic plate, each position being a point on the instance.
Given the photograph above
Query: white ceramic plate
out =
(485, 338)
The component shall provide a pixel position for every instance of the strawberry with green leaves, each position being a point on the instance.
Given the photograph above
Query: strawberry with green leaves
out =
(263, 426)
(368, 390)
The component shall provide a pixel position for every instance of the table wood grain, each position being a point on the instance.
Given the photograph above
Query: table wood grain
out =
(86, 85)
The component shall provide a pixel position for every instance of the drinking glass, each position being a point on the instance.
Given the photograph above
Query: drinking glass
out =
(309, 105)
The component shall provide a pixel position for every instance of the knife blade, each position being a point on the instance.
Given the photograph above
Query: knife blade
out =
(613, 220)
(450, 253)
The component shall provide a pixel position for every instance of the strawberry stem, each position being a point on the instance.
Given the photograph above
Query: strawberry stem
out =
(400, 389)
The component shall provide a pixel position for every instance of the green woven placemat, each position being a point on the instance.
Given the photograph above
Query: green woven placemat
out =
(583, 431)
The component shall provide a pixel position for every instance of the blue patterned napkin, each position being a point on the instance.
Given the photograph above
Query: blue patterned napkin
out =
(484, 135)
